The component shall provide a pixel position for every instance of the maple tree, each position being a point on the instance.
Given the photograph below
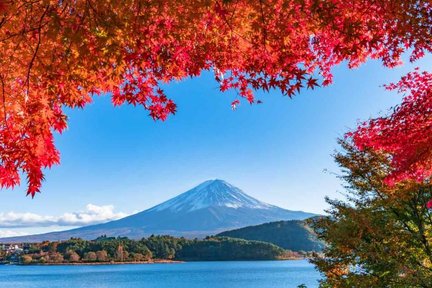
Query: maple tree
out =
(378, 236)
(56, 54)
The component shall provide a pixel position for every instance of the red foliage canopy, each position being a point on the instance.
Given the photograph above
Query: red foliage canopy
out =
(407, 133)
(60, 53)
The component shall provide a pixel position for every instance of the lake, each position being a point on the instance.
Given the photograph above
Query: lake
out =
(256, 274)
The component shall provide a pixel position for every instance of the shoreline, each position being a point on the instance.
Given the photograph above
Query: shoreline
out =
(158, 261)
(103, 263)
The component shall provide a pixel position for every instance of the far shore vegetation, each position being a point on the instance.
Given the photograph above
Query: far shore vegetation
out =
(154, 249)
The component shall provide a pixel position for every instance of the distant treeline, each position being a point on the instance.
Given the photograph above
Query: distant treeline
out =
(110, 249)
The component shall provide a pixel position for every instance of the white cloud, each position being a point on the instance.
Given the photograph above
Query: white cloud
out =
(11, 233)
(92, 214)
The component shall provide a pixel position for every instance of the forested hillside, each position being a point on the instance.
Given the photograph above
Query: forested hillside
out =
(292, 235)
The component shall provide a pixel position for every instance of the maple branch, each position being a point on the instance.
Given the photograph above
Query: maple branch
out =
(36, 50)
(231, 28)
(78, 28)
(2, 21)
(24, 30)
(4, 101)
(264, 24)
(97, 17)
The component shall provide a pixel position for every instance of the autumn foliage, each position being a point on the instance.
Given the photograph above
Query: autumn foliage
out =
(407, 133)
(379, 235)
(56, 54)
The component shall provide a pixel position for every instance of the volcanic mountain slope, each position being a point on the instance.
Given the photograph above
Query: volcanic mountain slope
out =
(211, 207)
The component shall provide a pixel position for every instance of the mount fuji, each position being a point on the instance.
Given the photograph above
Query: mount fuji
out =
(209, 208)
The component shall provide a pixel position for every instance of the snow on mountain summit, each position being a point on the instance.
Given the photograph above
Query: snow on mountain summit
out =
(209, 194)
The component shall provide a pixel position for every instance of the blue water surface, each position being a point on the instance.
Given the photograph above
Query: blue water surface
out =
(256, 274)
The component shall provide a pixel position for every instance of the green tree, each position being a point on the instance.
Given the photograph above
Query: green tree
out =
(147, 254)
(144, 255)
(380, 236)
(164, 247)
(78, 245)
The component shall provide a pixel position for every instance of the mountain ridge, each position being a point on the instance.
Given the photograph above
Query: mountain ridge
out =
(209, 208)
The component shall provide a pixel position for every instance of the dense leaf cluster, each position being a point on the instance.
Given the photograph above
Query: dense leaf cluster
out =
(56, 54)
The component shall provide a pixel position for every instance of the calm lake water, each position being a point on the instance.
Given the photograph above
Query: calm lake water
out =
(256, 274)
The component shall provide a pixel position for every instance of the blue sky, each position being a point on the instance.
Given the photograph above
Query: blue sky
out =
(277, 151)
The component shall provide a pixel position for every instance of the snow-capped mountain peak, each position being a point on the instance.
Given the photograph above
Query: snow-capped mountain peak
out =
(209, 208)
(211, 193)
